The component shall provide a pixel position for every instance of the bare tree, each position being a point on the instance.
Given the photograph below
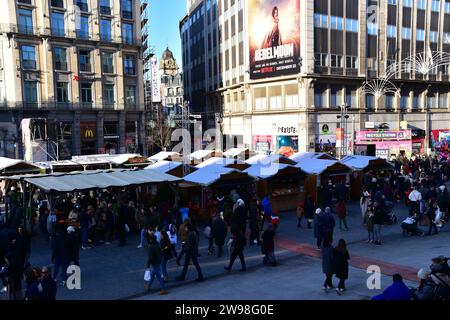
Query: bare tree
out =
(160, 129)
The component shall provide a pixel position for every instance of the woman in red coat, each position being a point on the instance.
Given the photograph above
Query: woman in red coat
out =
(342, 213)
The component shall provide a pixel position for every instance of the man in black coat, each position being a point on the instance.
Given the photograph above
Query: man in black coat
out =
(122, 218)
(191, 250)
(60, 255)
(73, 246)
(219, 233)
(48, 287)
(239, 218)
(237, 249)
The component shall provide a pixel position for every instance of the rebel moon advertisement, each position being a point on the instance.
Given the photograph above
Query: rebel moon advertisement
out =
(274, 41)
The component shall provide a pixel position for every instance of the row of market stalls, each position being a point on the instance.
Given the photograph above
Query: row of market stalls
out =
(284, 180)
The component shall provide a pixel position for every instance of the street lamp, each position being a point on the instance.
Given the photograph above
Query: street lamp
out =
(343, 117)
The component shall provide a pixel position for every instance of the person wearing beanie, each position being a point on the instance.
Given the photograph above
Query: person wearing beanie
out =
(318, 227)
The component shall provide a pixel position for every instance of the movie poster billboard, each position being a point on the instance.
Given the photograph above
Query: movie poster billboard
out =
(274, 38)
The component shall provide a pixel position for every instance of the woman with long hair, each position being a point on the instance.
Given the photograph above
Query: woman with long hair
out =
(341, 257)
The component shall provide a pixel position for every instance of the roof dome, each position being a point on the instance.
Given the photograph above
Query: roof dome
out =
(167, 54)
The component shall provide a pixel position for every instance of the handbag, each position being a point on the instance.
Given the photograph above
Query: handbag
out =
(147, 275)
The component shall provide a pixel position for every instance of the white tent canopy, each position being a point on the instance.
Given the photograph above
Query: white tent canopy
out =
(219, 161)
(311, 155)
(315, 166)
(358, 162)
(98, 180)
(266, 159)
(208, 175)
(164, 166)
(200, 154)
(14, 166)
(164, 155)
(123, 158)
(234, 152)
(266, 171)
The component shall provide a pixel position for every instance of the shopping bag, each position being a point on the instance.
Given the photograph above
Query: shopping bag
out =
(147, 275)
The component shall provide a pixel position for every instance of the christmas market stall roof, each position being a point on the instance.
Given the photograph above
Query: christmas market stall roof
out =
(234, 152)
(130, 160)
(164, 166)
(165, 155)
(317, 167)
(13, 166)
(311, 155)
(225, 162)
(266, 159)
(96, 179)
(366, 163)
(268, 171)
(54, 165)
(214, 174)
(200, 154)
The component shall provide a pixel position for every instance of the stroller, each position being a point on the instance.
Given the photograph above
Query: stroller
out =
(410, 228)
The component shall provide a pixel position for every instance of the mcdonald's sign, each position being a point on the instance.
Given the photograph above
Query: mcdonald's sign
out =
(88, 130)
(88, 133)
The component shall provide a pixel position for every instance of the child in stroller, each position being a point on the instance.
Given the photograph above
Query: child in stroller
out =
(410, 228)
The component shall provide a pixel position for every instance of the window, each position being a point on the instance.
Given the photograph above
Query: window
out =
(337, 23)
(85, 60)
(105, 7)
(83, 28)
(336, 61)
(130, 95)
(321, 59)
(57, 3)
(447, 7)
(435, 5)
(433, 36)
(420, 35)
(83, 5)
(30, 89)
(372, 29)
(26, 21)
(351, 97)
(129, 64)
(107, 62)
(58, 24)
(404, 99)
(335, 97)
(24, 1)
(392, 31)
(108, 94)
(28, 57)
(446, 37)
(422, 4)
(320, 21)
(62, 92)
(432, 100)
(127, 9)
(389, 101)
(86, 92)
(60, 56)
(443, 100)
(392, 2)
(370, 101)
(406, 33)
(105, 29)
(351, 25)
(320, 94)
(407, 3)
(351, 62)
(127, 33)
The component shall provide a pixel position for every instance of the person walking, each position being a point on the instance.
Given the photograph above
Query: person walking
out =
(328, 224)
(239, 218)
(309, 207)
(378, 217)
(341, 257)
(143, 221)
(342, 214)
(48, 285)
(219, 231)
(73, 246)
(370, 224)
(431, 214)
(415, 197)
(122, 219)
(318, 233)
(172, 233)
(84, 228)
(300, 213)
(237, 249)
(363, 204)
(166, 249)
(191, 249)
(182, 233)
(268, 245)
(253, 222)
(328, 263)
(60, 256)
(154, 264)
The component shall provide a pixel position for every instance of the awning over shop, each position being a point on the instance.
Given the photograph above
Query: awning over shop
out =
(266, 159)
(209, 175)
(366, 162)
(317, 167)
(98, 180)
(14, 166)
(165, 155)
(221, 162)
(164, 166)
(311, 155)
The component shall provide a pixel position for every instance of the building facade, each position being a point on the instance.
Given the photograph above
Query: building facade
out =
(171, 82)
(77, 66)
(287, 70)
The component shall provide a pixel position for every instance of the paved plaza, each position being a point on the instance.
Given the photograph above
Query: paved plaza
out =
(112, 272)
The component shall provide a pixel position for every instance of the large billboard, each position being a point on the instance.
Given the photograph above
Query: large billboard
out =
(274, 38)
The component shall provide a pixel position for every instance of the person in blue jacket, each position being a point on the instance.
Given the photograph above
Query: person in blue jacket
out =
(397, 291)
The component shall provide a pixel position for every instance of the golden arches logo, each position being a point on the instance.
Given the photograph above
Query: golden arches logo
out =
(89, 133)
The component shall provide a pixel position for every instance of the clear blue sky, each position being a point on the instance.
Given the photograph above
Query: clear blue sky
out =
(165, 16)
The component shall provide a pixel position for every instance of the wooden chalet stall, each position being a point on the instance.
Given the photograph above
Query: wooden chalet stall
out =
(319, 172)
(282, 182)
(238, 153)
(264, 159)
(200, 156)
(202, 185)
(172, 167)
(225, 162)
(362, 165)
(166, 155)
(311, 155)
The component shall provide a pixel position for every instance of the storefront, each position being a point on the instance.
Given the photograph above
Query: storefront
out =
(131, 136)
(287, 137)
(440, 139)
(88, 137)
(262, 143)
(387, 144)
(418, 141)
(111, 137)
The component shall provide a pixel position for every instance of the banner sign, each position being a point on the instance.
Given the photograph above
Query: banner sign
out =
(286, 130)
(383, 135)
(156, 80)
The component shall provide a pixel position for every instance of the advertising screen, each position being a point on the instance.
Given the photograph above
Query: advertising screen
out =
(274, 38)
